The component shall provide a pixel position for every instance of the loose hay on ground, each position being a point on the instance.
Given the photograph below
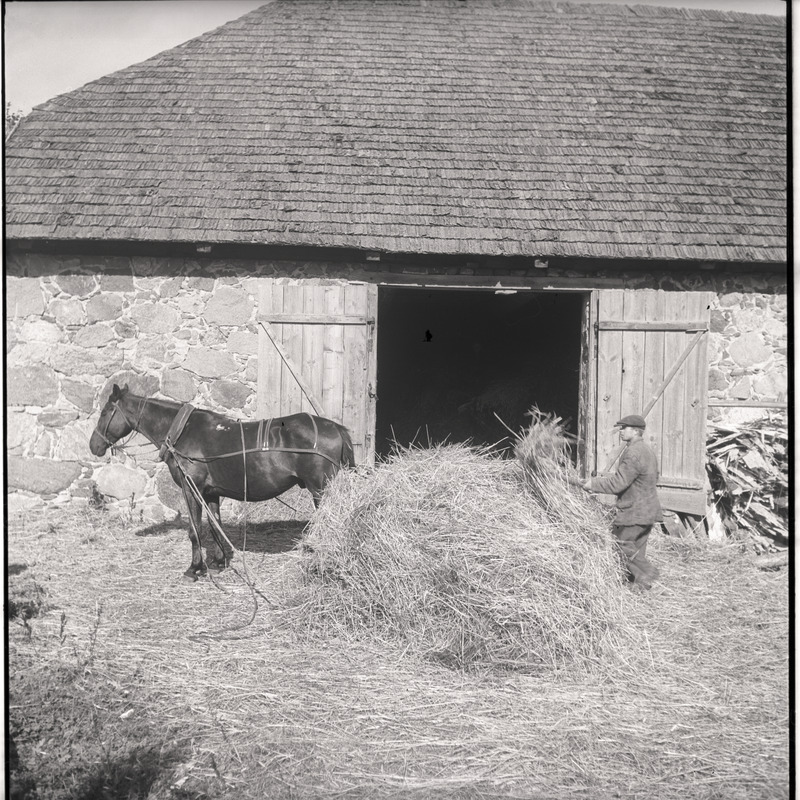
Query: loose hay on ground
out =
(701, 713)
(445, 551)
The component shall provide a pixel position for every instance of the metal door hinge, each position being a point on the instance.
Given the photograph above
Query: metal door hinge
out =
(370, 333)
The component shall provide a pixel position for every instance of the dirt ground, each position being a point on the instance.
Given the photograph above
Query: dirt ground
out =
(127, 682)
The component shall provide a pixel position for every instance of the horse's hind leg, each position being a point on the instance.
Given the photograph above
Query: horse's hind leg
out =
(316, 490)
(318, 484)
(221, 554)
(198, 565)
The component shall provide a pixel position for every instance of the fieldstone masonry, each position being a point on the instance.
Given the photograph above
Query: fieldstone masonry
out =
(72, 336)
(186, 329)
(748, 351)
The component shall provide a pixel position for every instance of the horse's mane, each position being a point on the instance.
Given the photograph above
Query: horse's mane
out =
(162, 402)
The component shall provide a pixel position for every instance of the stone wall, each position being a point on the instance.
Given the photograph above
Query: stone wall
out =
(748, 346)
(181, 335)
(185, 329)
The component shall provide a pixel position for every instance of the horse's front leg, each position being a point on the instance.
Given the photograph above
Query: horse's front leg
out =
(198, 565)
(222, 554)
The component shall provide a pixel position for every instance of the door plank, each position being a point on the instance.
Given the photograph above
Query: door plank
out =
(313, 337)
(655, 304)
(333, 355)
(625, 325)
(294, 398)
(633, 355)
(269, 360)
(355, 347)
(308, 318)
(696, 400)
(371, 338)
(675, 343)
(587, 398)
(609, 380)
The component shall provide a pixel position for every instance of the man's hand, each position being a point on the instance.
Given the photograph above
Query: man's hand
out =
(574, 480)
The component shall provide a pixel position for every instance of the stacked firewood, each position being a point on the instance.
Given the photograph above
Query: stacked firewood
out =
(747, 468)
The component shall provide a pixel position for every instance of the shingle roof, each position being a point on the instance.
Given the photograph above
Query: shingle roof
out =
(433, 126)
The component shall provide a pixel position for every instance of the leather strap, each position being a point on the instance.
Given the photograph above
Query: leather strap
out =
(316, 432)
(176, 429)
(262, 440)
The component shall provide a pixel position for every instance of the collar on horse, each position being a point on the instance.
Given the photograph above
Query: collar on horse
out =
(175, 430)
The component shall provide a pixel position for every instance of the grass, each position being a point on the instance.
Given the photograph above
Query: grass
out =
(126, 682)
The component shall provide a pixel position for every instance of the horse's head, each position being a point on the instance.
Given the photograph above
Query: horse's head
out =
(114, 422)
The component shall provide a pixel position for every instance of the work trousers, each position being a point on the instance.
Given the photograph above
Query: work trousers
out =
(632, 544)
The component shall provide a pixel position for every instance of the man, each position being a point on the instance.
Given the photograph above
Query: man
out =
(638, 507)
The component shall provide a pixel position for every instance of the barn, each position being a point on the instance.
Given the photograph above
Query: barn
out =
(414, 217)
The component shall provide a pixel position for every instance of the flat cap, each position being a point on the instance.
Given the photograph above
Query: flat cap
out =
(632, 421)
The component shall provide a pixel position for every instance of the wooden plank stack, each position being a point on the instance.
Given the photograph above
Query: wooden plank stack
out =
(747, 468)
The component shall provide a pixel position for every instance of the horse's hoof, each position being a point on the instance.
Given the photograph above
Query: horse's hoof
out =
(218, 564)
(189, 577)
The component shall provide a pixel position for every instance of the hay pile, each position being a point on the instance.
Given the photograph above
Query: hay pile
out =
(448, 553)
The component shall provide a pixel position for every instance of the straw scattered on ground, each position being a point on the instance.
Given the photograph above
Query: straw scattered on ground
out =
(126, 682)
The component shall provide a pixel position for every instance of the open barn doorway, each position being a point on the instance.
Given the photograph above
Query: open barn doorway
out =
(449, 360)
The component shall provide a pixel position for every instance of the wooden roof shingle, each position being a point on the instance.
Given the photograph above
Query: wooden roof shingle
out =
(484, 127)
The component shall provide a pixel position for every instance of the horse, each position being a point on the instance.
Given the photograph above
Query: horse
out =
(211, 456)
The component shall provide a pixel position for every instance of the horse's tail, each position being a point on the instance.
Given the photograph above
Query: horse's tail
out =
(347, 458)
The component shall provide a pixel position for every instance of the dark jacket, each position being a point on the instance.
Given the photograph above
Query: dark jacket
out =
(634, 484)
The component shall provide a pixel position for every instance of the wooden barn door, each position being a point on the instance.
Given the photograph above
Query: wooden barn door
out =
(317, 353)
(652, 360)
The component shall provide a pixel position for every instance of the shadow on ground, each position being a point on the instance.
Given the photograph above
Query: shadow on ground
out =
(168, 526)
(272, 536)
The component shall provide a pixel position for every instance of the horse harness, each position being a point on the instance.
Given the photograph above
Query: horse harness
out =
(117, 407)
(176, 428)
(262, 439)
(174, 433)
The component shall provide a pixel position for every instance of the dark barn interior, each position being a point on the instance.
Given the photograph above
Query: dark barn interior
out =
(449, 360)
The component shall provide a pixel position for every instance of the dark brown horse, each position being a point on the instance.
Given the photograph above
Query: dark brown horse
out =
(207, 452)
